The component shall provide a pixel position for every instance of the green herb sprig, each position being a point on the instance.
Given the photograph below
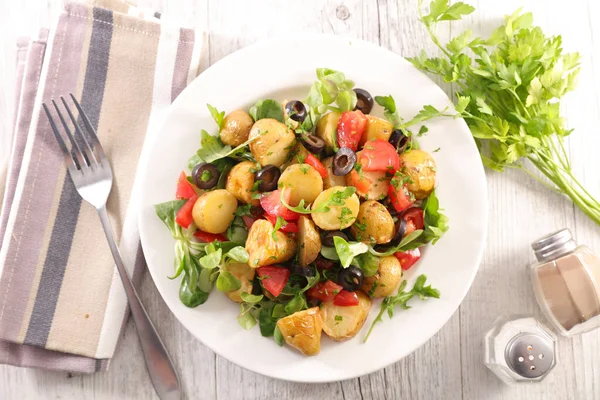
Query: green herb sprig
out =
(402, 297)
(509, 91)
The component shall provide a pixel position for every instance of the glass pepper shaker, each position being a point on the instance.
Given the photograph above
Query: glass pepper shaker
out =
(520, 349)
(566, 282)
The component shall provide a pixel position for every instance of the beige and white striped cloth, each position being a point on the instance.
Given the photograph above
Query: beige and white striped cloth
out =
(62, 305)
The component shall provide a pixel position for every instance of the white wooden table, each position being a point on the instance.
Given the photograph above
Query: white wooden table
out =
(450, 365)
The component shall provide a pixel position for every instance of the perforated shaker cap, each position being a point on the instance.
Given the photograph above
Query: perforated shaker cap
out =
(530, 355)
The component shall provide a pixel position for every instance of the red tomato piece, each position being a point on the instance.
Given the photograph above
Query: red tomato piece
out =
(289, 227)
(324, 291)
(346, 299)
(209, 237)
(361, 183)
(414, 215)
(400, 197)
(185, 190)
(316, 164)
(323, 263)
(350, 129)
(273, 278)
(379, 155)
(248, 221)
(184, 215)
(408, 258)
(271, 203)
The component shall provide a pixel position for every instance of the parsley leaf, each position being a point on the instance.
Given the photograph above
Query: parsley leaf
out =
(279, 223)
(267, 109)
(217, 116)
(402, 297)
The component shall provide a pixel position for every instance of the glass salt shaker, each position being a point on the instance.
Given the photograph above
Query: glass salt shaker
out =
(520, 349)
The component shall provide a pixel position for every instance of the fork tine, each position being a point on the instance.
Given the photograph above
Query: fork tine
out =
(92, 132)
(89, 154)
(59, 139)
(78, 159)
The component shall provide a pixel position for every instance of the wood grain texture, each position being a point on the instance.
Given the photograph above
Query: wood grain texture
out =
(450, 365)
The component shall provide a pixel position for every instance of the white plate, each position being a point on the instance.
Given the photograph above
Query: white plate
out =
(285, 69)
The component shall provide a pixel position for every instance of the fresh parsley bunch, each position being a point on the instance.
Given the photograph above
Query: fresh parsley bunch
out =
(509, 88)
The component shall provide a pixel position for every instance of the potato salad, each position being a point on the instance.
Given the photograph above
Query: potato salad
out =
(305, 212)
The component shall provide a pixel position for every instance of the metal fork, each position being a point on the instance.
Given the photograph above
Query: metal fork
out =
(92, 175)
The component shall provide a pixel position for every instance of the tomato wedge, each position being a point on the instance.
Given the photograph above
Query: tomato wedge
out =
(399, 195)
(324, 291)
(346, 299)
(361, 183)
(209, 237)
(271, 203)
(316, 164)
(289, 227)
(350, 129)
(184, 215)
(379, 155)
(414, 219)
(273, 278)
(185, 190)
(408, 258)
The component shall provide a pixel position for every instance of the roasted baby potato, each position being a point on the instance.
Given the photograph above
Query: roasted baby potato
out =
(374, 223)
(327, 130)
(377, 128)
(302, 330)
(332, 180)
(266, 248)
(236, 128)
(378, 184)
(309, 241)
(275, 141)
(245, 275)
(240, 181)
(213, 211)
(387, 278)
(297, 154)
(343, 323)
(305, 182)
(419, 166)
(338, 217)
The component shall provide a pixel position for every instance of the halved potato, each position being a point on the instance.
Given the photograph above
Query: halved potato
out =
(343, 323)
(236, 128)
(302, 330)
(306, 183)
(327, 130)
(377, 128)
(240, 181)
(275, 140)
(245, 275)
(338, 217)
(266, 248)
(309, 241)
(332, 180)
(213, 211)
(297, 154)
(420, 168)
(374, 223)
(387, 278)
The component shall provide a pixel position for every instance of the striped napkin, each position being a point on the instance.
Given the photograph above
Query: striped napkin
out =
(62, 305)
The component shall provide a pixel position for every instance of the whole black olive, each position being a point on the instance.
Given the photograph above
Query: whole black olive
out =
(303, 271)
(364, 101)
(295, 110)
(399, 140)
(205, 175)
(269, 176)
(343, 161)
(350, 278)
(313, 143)
(328, 238)
(400, 230)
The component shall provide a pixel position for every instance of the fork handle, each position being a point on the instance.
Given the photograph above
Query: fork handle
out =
(159, 364)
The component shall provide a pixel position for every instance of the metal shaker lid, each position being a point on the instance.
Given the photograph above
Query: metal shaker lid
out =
(530, 355)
